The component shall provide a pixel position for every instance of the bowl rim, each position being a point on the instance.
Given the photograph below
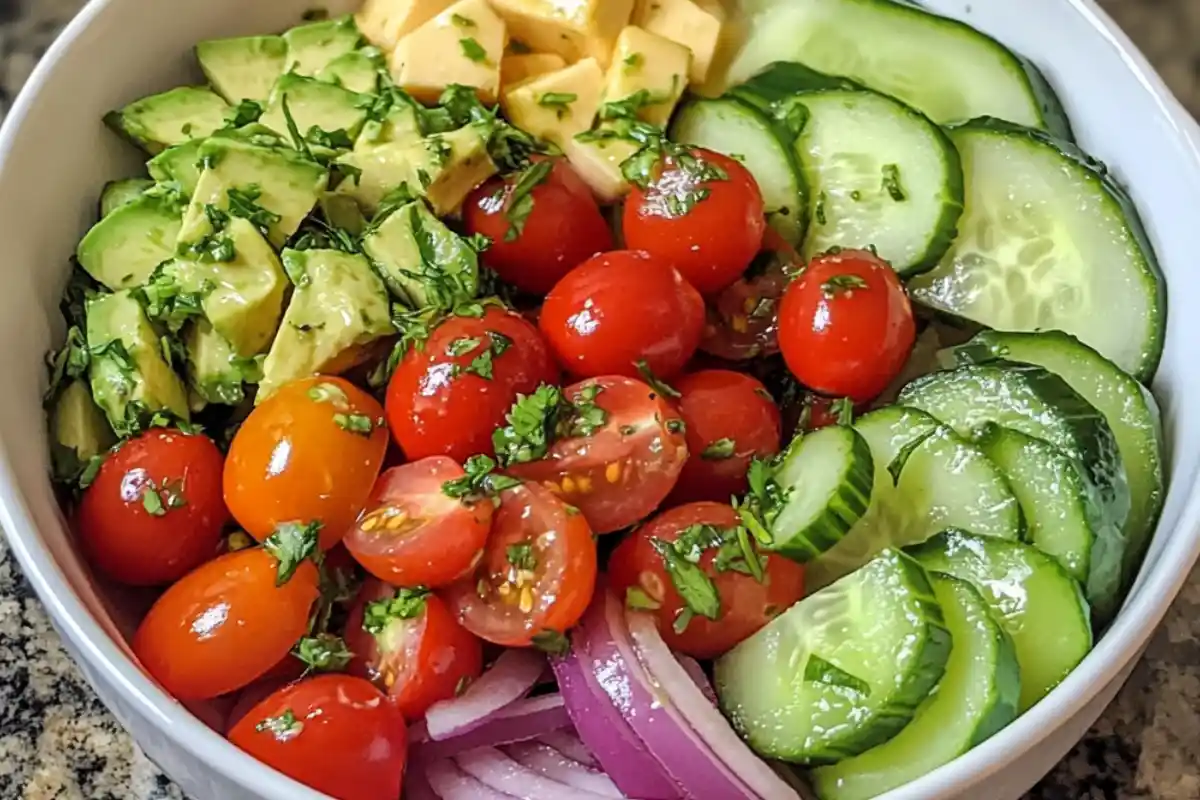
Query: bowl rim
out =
(1121, 644)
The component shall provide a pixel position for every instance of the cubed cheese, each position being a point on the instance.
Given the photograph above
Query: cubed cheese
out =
(462, 45)
(558, 105)
(650, 67)
(695, 24)
(598, 162)
(521, 67)
(386, 22)
(573, 29)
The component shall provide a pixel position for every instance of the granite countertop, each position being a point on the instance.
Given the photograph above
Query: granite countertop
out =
(57, 742)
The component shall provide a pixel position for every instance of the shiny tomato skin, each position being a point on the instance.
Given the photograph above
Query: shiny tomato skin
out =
(336, 734)
(621, 308)
(418, 661)
(139, 540)
(743, 319)
(746, 604)
(625, 469)
(435, 412)
(412, 533)
(510, 605)
(713, 243)
(225, 625)
(563, 229)
(731, 420)
(291, 460)
(846, 325)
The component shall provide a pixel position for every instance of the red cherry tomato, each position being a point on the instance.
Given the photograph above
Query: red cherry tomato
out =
(447, 397)
(743, 320)
(537, 576)
(155, 511)
(731, 419)
(638, 571)
(619, 309)
(702, 213)
(413, 534)
(410, 645)
(627, 466)
(225, 625)
(308, 453)
(846, 326)
(563, 228)
(333, 733)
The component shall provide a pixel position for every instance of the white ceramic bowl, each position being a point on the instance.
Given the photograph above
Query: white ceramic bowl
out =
(55, 155)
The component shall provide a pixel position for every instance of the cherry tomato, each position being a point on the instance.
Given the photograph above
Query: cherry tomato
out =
(447, 397)
(638, 571)
(225, 624)
(415, 649)
(620, 309)
(702, 213)
(743, 320)
(826, 411)
(537, 576)
(155, 511)
(846, 326)
(562, 229)
(333, 733)
(309, 453)
(627, 466)
(731, 419)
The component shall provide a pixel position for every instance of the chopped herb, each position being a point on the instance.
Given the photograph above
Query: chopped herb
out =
(337, 139)
(479, 243)
(292, 543)
(764, 501)
(693, 584)
(461, 21)
(159, 500)
(536, 421)
(359, 424)
(462, 345)
(819, 213)
(329, 393)
(719, 450)
(628, 430)
(843, 409)
(480, 482)
(521, 556)
(559, 101)
(658, 385)
(243, 202)
(683, 618)
(404, 604)
(243, 114)
(637, 599)
(842, 284)
(891, 183)
(473, 50)
(520, 199)
(323, 653)
(552, 642)
(633, 62)
(298, 140)
(676, 426)
(629, 107)
(152, 502)
(283, 727)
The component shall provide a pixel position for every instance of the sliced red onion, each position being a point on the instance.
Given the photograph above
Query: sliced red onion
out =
(525, 719)
(510, 679)
(450, 783)
(497, 771)
(548, 762)
(696, 672)
(680, 692)
(569, 744)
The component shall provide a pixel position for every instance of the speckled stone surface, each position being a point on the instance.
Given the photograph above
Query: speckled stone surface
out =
(58, 743)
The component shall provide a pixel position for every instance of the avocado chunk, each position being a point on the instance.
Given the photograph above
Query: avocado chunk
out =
(179, 164)
(357, 71)
(244, 68)
(123, 249)
(311, 48)
(315, 106)
(131, 379)
(401, 124)
(157, 122)
(118, 193)
(216, 373)
(79, 429)
(339, 307)
(342, 212)
(424, 263)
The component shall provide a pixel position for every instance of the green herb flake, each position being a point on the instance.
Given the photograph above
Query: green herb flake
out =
(633, 63)
(323, 653)
(283, 727)
(462, 346)
(843, 285)
(243, 202)
(694, 585)
(291, 544)
(461, 21)
(473, 50)
(532, 427)
(521, 556)
(358, 424)
(559, 101)
(151, 501)
(891, 183)
(658, 385)
(843, 410)
(554, 643)
(329, 393)
(637, 599)
(719, 450)
(404, 604)
(480, 482)
(520, 199)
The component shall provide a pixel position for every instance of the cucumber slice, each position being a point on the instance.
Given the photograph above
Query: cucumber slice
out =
(1032, 597)
(735, 128)
(946, 69)
(1130, 409)
(976, 697)
(827, 475)
(841, 671)
(1048, 241)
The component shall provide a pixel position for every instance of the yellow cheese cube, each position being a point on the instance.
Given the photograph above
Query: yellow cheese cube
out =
(573, 29)
(558, 105)
(521, 67)
(695, 24)
(463, 45)
(386, 22)
(598, 162)
(651, 67)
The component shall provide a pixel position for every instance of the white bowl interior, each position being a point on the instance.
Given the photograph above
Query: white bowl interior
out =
(56, 155)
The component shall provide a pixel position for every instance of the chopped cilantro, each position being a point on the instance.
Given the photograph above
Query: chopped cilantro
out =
(461, 21)
(842, 284)
(662, 387)
(243, 202)
(521, 556)
(637, 599)
(323, 653)
(694, 585)
(559, 101)
(553, 642)
(473, 50)
(404, 604)
(843, 409)
(891, 183)
(358, 424)
(719, 450)
(283, 727)
(520, 199)
(327, 392)
(292, 543)
(480, 482)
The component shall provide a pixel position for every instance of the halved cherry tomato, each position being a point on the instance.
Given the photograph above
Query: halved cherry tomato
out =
(846, 326)
(704, 535)
(538, 234)
(448, 396)
(731, 419)
(414, 534)
(627, 466)
(743, 320)
(702, 213)
(537, 576)
(225, 624)
(155, 511)
(333, 733)
(414, 650)
(620, 309)
(309, 453)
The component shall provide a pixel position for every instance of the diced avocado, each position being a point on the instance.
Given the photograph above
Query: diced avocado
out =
(423, 262)
(244, 68)
(216, 373)
(242, 288)
(157, 122)
(339, 307)
(118, 193)
(122, 249)
(314, 104)
(342, 212)
(357, 71)
(287, 186)
(311, 48)
(79, 429)
(179, 164)
(131, 379)
(402, 124)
